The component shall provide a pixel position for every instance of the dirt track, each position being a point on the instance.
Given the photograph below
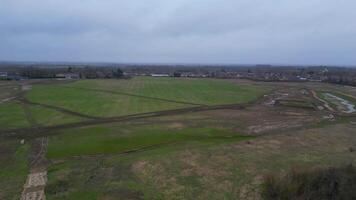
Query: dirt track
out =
(37, 177)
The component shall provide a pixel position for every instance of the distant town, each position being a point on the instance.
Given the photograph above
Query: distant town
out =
(19, 71)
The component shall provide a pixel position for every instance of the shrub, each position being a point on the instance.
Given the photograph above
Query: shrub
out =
(319, 183)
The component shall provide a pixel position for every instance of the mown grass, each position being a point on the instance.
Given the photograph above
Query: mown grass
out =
(12, 116)
(106, 140)
(14, 169)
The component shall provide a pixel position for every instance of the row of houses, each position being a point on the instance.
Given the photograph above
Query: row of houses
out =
(10, 76)
(3, 75)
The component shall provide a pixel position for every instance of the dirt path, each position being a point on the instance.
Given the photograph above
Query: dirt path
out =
(34, 188)
(325, 104)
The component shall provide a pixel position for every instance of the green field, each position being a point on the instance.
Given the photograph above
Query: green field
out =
(198, 91)
(49, 117)
(120, 138)
(12, 116)
(95, 103)
(168, 93)
(226, 171)
(109, 98)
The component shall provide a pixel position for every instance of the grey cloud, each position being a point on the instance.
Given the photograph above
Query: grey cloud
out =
(230, 31)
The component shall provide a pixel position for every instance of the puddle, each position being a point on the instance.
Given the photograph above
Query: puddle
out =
(346, 105)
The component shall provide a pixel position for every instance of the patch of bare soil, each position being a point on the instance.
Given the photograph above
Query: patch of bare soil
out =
(34, 186)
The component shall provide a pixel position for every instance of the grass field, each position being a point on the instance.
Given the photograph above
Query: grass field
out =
(119, 98)
(230, 171)
(168, 93)
(199, 91)
(120, 138)
(49, 117)
(12, 116)
(212, 154)
(95, 103)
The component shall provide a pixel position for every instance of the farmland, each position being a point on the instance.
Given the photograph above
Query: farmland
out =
(166, 138)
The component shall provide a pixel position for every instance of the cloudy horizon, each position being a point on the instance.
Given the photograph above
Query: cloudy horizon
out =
(318, 32)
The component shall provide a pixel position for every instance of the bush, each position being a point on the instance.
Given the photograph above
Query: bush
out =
(319, 183)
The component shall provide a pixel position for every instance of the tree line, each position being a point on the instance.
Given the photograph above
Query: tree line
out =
(33, 72)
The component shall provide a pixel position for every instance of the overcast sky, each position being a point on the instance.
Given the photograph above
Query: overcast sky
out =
(179, 31)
